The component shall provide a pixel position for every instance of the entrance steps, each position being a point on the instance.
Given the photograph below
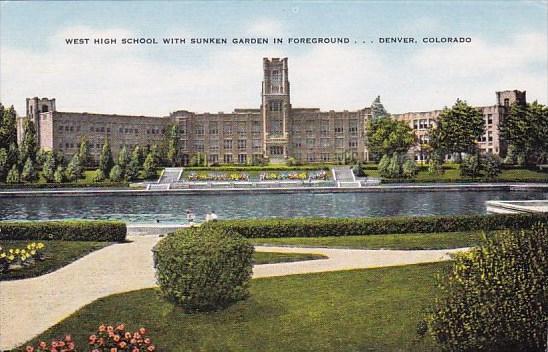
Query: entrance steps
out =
(345, 177)
(170, 175)
(158, 186)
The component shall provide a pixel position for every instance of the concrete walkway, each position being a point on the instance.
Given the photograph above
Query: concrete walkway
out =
(30, 306)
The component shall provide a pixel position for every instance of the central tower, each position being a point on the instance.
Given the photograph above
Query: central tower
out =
(275, 108)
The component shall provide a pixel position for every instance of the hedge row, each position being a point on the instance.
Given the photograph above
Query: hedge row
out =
(463, 180)
(320, 227)
(109, 231)
(63, 185)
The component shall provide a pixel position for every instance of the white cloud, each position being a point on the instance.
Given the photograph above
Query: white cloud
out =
(136, 79)
(265, 27)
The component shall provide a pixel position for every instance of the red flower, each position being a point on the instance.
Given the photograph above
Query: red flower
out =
(71, 346)
(151, 348)
(142, 331)
(29, 349)
(127, 335)
(121, 327)
(116, 338)
(122, 344)
(110, 328)
(42, 345)
(147, 341)
(68, 338)
(102, 327)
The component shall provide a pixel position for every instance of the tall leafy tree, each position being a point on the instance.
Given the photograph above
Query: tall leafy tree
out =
(123, 160)
(149, 166)
(106, 161)
(8, 127)
(29, 173)
(48, 167)
(132, 171)
(386, 136)
(74, 168)
(525, 128)
(458, 129)
(29, 147)
(172, 145)
(84, 152)
(4, 167)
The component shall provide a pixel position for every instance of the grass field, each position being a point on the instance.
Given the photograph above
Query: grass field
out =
(441, 240)
(58, 254)
(360, 310)
(273, 258)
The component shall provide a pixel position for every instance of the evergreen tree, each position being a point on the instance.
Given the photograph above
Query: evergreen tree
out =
(395, 166)
(13, 175)
(377, 109)
(492, 165)
(383, 166)
(155, 151)
(59, 175)
(471, 166)
(8, 127)
(48, 167)
(132, 171)
(84, 153)
(29, 173)
(458, 129)
(116, 174)
(13, 155)
(409, 168)
(28, 148)
(105, 158)
(4, 167)
(74, 168)
(123, 160)
(149, 166)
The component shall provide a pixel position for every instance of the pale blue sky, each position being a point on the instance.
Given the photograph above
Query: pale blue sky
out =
(508, 51)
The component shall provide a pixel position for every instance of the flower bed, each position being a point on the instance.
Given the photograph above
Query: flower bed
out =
(106, 339)
(14, 258)
(297, 175)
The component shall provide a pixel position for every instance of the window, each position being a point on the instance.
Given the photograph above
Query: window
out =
(227, 158)
(213, 128)
(489, 119)
(310, 157)
(275, 75)
(242, 128)
(227, 144)
(324, 156)
(353, 127)
(310, 142)
(242, 158)
(227, 128)
(298, 145)
(353, 143)
(214, 148)
(199, 146)
(213, 158)
(61, 128)
(325, 142)
(66, 128)
(257, 144)
(506, 102)
(275, 105)
(324, 127)
(256, 126)
(199, 130)
(339, 126)
(242, 143)
(183, 144)
(415, 124)
(489, 136)
(339, 143)
(120, 130)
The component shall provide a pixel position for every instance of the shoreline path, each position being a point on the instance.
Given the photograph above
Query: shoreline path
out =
(30, 306)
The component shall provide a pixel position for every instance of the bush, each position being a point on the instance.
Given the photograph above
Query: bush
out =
(492, 165)
(409, 169)
(109, 231)
(471, 166)
(115, 174)
(59, 175)
(29, 173)
(98, 176)
(13, 175)
(203, 269)
(495, 297)
(320, 227)
(383, 166)
(358, 170)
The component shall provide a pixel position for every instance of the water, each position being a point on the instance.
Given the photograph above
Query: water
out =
(171, 208)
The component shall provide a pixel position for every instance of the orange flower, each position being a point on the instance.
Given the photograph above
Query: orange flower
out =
(110, 328)
(116, 338)
(102, 327)
(127, 335)
(142, 331)
(122, 344)
(113, 349)
(121, 327)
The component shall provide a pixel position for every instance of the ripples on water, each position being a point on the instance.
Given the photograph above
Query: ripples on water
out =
(171, 208)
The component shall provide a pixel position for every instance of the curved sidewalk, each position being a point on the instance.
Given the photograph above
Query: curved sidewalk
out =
(30, 306)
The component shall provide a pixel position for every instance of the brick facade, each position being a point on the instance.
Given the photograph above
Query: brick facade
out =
(276, 130)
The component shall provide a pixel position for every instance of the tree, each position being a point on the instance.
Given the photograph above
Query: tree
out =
(395, 166)
(74, 168)
(59, 175)
(123, 160)
(116, 174)
(383, 166)
(84, 153)
(4, 167)
(132, 171)
(13, 155)
(377, 109)
(28, 147)
(525, 128)
(386, 136)
(149, 166)
(198, 159)
(13, 175)
(105, 158)
(172, 145)
(458, 129)
(8, 126)
(29, 173)
(48, 167)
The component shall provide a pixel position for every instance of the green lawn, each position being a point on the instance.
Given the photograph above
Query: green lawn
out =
(360, 310)
(58, 254)
(440, 240)
(272, 257)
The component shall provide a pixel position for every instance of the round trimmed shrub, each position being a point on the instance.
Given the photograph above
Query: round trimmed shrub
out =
(204, 269)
